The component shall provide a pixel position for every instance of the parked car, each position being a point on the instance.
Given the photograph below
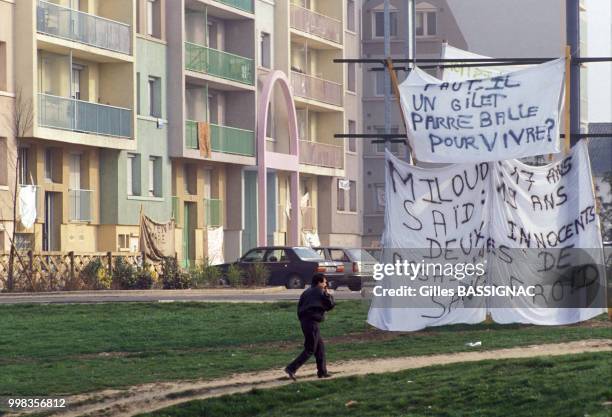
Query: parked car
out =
(358, 266)
(291, 266)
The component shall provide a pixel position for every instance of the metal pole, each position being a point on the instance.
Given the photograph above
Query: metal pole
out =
(387, 81)
(572, 27)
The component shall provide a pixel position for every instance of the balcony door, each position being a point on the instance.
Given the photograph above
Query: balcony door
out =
(51, 227)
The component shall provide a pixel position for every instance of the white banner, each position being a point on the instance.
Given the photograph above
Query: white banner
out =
(214, 237)
(506, 116)
(467, 73)
(433, 213)
(550, 210)
(535, 226)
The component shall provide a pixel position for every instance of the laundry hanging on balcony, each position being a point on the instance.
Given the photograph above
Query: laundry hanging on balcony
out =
(27, 205)
(507, 116)
(204, 139)
(214, 236)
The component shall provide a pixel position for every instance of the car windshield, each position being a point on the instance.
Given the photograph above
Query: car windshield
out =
(307, 254)
(360, 255)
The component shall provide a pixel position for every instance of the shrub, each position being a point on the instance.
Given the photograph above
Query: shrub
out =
(124, 275)
(256, 275)
(144, 279)
(172, 277)
(95, 275)
(205, 275)
(234, 275)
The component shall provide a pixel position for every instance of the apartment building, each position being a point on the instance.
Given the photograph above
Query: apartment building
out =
(123, 92)
(499, 28)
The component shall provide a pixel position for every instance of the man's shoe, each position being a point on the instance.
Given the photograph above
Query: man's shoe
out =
(290, 374)
(325, 375)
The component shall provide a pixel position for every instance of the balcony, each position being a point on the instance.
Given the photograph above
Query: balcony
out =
(219, 63)
(222, 139)
(314, 88)
(85, 28)
(213, 212)
(244, 5)
(316, 24)
(83, 116)
(321, 154)
(79, 202)
(308, 218)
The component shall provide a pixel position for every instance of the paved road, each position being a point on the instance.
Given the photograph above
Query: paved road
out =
(260, 295)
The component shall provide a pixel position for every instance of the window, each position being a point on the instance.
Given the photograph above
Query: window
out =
(154, 96)
(351, 76)
(155, 189)
(379, 197)
(393, 146)
(350, 15)
(379, 82)
(153, 18)
(133, 174)
(379, 24)
(264, 50)
(276, 255)
(77, 71)
(49, 164)
(352, 142)
(340, 202)
(338, 255)
(24, 165)
(426, 24)
(3, 66)
(353, 196)
(3, 164)
(256, 255)
(138, 108)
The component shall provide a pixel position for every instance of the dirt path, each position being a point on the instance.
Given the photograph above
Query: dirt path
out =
(150, 397)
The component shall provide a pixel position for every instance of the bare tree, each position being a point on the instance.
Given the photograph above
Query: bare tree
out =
(20, 122)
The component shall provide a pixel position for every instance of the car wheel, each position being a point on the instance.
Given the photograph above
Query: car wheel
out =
(333, 285)
(355, 287)
(294, 282)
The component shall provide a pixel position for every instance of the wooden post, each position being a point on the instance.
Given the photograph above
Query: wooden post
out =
(396, 91)
(71, 256)
(109, 257)
(567, 107)
(30, 263)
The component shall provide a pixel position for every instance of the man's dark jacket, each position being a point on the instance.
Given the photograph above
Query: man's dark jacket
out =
(313, 304)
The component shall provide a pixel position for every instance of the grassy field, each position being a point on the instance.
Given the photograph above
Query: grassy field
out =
(564, 386)
(64, 349)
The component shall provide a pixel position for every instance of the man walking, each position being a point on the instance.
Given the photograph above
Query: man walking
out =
(313, 304)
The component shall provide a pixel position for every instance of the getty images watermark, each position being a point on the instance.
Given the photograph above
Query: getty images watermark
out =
(512, 278)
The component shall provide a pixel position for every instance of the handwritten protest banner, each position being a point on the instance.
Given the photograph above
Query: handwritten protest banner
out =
(549, 212)
(511, 115)
(532, 227)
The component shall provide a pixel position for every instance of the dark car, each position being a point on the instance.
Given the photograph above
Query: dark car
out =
(358, 266)
(291, 266)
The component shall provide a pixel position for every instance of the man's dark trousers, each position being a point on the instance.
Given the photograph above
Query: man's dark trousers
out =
(313, 344)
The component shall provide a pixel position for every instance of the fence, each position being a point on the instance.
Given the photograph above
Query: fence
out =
(59, 271)
(316, 88)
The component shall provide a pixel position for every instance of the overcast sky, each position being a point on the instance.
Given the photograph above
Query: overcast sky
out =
(599, 38)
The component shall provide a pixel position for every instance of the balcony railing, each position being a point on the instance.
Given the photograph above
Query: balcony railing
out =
(321, 154)
(80, 205)
(315, 88)
(218, 63)
(84, 116)
(308, 218)
(213, 212)
(62, 22)
(245, 5)
(222, 139)
(316, 24)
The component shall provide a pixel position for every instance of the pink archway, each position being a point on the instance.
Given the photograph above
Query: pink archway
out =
(274, 160)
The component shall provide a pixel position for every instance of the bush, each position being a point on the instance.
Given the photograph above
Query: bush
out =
(144, 279)
(205, 275)
(234, 275)
(256, 275)
(172, 277)
(124, 275)
(95, 275)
